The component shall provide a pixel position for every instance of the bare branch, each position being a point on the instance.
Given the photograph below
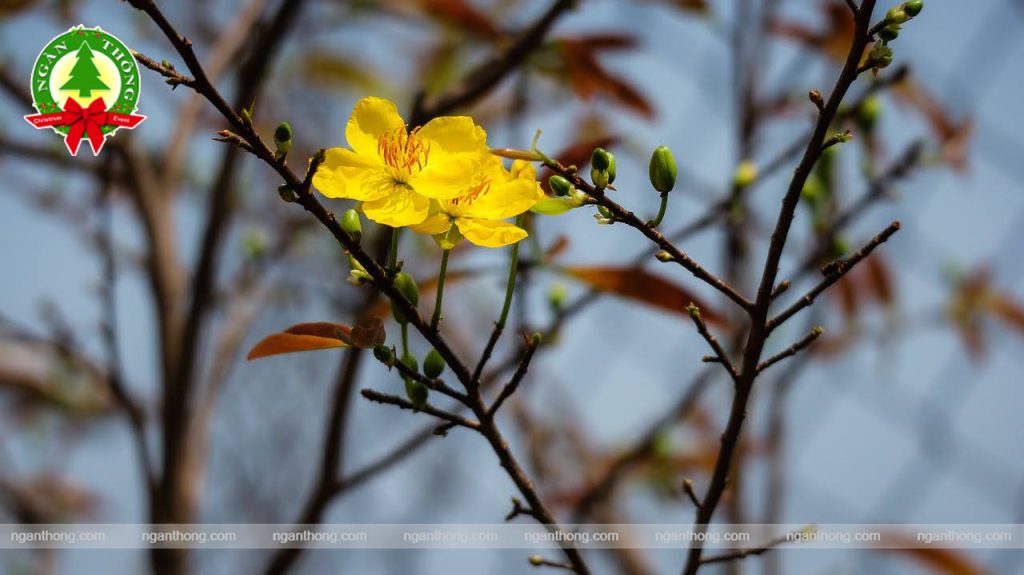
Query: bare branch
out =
(834, 271)
(791, 350)
(388, 399)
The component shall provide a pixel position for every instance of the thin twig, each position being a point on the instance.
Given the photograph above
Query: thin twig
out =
(702, 328)
(791, 350)
(402, 403)
(517, 377)
(834, 271)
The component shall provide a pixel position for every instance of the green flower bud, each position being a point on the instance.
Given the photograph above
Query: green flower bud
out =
(416, 392)
(351, 223)
(611, 168)
(913, 7)
(867, 116)
(556, 296)
(746, 174)
(559, 185)
(599, 177)
(384, 354)
(605, 212)
(254, 244)
(433, 364)
(600, 159)
(407, 286)
(889, 32)
(880, 56)
(283, 137)
(664, 256)
(287, 193)
(896, 15)
(536, 339)
(662, 170)
(409, 360)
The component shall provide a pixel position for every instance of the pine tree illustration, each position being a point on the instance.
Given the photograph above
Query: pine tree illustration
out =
(85, 77)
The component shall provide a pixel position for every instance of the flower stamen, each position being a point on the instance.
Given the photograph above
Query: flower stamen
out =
(404, 152)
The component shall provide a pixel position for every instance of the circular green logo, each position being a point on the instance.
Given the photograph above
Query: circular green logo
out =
(85, 65)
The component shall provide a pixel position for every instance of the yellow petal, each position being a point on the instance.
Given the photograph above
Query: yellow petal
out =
(523, 169)
(453, 135)
(435, 224)
(402, 207)
(505, 200)
(370, 119)
(345, 174)
(489, 233)
(445, 178)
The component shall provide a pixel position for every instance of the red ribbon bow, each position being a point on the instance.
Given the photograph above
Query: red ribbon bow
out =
(88, 121)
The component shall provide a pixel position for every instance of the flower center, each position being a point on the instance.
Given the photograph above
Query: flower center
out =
(465, 200)
(404, 153)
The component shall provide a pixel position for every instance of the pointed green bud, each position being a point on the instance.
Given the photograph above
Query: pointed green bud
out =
(559, 185)
(416, 392)
(283, 137)
(600, 159)
(384, 354)
(662, 170)
(287, 193)
(535, 560)
(605, 212)
(407, 286)
(599, 177)
(913, 7)
(352, 225)
(433, 364)
(664, 256)
(611, 168)
(536, 339)
(693, 310)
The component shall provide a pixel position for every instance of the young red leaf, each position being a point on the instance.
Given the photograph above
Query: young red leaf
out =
(319, 335)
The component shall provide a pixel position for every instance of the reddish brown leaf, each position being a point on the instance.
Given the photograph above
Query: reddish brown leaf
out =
(462, 15)
(952, 135)
(832, 41)
(699, 6)
(639, 285)
(556, 249)
(1007, 310)
(588, 78)
(319, 335)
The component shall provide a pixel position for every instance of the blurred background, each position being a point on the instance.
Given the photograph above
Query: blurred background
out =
(907, 411)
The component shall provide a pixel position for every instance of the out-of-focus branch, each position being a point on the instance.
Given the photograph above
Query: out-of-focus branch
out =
(489, 73)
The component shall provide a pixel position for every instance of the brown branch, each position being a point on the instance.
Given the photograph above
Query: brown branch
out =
(491, 72)
(791, 350)
(702, 329)
(834, 271)
(439, 413)
(744, 553)
(759, 331)
(688, 490)
(621, 214)
(517, 377)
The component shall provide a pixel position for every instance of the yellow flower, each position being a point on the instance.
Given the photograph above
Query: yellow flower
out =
(495, 194)
(395, 172)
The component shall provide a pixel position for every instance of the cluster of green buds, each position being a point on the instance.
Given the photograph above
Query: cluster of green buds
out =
(881, 55)
(566, 197)
(283, 138)
(602, 168)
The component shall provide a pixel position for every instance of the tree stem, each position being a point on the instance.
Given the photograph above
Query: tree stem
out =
(393, 253)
